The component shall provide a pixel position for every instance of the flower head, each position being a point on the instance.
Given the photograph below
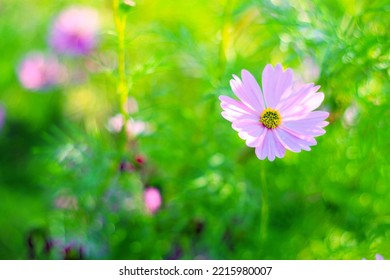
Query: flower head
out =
(38, 71)
(277, 117)
(152, 199)
(74, 31)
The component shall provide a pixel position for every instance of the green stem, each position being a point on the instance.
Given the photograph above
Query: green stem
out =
(120, 26)
(222, 59)
(264, 207)
(122, 86)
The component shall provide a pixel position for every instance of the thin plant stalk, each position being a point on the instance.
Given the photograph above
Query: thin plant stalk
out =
(120, 25)
(264, 207)
(222, 56)
(122, 85)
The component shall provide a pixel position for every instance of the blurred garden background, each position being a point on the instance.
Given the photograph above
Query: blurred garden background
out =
(178, 182)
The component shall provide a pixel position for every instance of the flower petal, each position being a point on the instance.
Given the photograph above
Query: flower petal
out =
(304, 139)
(303, 102)
(246, 125)
(298, 94)
(253, 89)
(269, 146)
(288, 140)
(308, 117)
(246, 96)
(277, 145)
(314, 101)
(234, 109)
(262, 148)
(257, 138)
(275, 82)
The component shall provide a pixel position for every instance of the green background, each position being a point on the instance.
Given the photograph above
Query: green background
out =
(329, 203)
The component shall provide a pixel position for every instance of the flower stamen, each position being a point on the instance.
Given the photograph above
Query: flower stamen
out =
(270, 118)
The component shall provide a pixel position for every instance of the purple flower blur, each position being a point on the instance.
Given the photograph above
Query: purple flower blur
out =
(152, 199)
(379, 257)
(38, 71)
(74, 31)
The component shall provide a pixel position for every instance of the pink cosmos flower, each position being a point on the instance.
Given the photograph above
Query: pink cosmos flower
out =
(75, 30)
(39, 71)
(152, 199)
(277, 117)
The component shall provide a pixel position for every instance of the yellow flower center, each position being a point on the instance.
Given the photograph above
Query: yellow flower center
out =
(270, 118)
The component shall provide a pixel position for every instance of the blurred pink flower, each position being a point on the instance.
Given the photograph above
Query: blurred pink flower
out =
(152, 199)
(115, 123)
(379, 257)
(66, 202)
(2, 116)
(350, 115)
(140, 159)
(38, 71)
(277, 118)
(133, 127)
(129, 2)
(75, 31)
(131, 105)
